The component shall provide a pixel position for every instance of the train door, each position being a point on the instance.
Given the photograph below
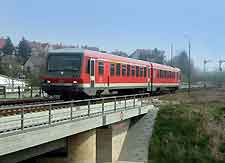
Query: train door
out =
(149, 78)
(92, 73)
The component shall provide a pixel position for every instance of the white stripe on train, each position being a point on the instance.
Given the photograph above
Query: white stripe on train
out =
(87, 85)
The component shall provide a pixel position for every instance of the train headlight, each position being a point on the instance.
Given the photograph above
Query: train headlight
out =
(74, 82)
(48, 81)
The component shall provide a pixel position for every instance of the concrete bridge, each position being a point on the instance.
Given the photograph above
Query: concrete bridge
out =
(111, 129)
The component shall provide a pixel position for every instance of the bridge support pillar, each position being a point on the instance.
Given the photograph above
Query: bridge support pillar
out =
(81, 148)
(93, 146)
(104, 145)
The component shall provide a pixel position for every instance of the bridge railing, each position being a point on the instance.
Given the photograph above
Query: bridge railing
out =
(21, 118)
(21, 92)
(3, 91)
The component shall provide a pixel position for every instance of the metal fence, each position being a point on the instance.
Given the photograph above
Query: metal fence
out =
(3, 91)
(21, 118)
(21, 92)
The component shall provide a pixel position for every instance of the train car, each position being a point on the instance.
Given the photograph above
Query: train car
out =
(165, 78)
(78, 72)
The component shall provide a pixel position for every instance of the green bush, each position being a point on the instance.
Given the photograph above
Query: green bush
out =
(222, 148)
(177, 138)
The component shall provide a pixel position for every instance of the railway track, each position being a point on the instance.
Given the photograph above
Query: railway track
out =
(13, 107)
(21, 102)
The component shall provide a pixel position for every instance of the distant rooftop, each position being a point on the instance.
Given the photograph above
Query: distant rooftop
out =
(2, 43)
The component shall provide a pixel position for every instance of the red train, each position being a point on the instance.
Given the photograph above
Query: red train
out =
(76, 72)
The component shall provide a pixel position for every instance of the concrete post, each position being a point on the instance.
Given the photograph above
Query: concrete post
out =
(104, 145)
(81, 148)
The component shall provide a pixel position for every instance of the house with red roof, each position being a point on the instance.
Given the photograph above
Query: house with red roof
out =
(2, 44)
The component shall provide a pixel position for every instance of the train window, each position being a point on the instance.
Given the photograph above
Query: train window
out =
(145, 69)
(141, 71)
(112, 69)
(133, 69)
(163, 74)
(100, 67)
(118, 69)
(128, 70)
(137, 71)
(124, 67)
(154, 73)
(149, 72)
(88, 66)
(92, 67)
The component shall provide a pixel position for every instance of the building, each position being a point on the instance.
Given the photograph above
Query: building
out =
(2, 44)
(11, 84)
(38, 56)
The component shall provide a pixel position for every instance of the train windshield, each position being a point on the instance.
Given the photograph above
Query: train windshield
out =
(64, 62)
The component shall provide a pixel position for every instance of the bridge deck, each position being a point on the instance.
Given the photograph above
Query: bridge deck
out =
(29, 129)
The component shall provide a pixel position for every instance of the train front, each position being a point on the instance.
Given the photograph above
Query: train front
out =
(63, 73)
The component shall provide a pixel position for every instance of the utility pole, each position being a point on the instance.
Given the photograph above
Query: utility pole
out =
(220, 65)
(189, 67)
(171, 54)
(204, 68)
(220, 70)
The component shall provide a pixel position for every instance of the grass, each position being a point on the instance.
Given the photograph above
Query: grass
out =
(184, 133)
(222, 147)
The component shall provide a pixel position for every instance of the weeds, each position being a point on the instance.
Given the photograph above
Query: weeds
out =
(180, 136)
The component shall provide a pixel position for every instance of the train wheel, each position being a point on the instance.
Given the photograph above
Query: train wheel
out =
(99, 93)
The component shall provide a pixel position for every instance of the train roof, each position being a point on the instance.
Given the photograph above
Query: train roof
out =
(116, 58)
(67, 50)
(165, 67)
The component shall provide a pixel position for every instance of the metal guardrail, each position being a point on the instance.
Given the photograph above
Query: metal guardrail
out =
(3, 91)
(21, 118)
(21, 92)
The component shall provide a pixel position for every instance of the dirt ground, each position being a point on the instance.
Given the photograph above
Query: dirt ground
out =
(197, 96)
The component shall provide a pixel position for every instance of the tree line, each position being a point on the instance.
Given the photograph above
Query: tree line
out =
(14, 58)
(22, 51)
(181, 60)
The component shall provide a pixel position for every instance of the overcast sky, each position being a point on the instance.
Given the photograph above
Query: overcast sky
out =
(121, 24)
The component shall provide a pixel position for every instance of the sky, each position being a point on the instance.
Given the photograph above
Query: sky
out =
(121, 24)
